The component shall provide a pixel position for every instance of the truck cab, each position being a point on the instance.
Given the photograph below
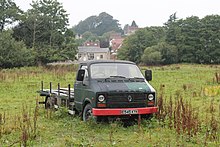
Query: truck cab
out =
(113, 88)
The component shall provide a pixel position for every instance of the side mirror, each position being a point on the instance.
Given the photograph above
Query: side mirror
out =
(80, 75)
(148, 75)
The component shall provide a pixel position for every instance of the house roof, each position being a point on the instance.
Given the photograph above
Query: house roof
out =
(116, 43)
(92, 49)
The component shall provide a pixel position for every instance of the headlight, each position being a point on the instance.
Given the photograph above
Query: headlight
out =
(101, 98)
(150, 97)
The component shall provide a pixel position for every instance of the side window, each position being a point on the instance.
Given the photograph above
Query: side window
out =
(86, 72)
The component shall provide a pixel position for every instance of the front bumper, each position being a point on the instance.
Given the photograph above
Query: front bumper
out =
(118, 111)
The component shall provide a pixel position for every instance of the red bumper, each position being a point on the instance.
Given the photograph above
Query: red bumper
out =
(118, 111)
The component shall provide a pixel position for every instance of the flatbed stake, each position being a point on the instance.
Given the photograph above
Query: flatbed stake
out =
(41, 102)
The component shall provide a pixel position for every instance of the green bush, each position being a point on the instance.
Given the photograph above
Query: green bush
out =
(14, 53)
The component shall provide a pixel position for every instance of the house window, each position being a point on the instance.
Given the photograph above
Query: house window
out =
(90, 56)
(101, 56)
(79, 56)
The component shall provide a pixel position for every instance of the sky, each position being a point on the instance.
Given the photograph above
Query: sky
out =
(144, 12)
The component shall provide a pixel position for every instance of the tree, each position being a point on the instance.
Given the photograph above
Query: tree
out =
(210, 39)
(151, 56)
(169, 53)
(53, 19)
(189, 41)
(9, 13)
(43, 30)
(86, 25)
(172, 29)
(98, 25)
(69, 48)
(197, 40)
(88, 36)
(13, 53)
(134, 45)
(162, 53)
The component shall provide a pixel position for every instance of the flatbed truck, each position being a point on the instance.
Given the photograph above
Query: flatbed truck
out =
(105, 89)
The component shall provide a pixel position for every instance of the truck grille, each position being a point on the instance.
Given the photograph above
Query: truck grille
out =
(126, 100)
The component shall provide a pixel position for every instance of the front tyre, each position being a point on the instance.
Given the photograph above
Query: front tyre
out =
(87, 113)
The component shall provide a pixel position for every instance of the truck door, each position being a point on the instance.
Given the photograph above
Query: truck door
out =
(80, 87)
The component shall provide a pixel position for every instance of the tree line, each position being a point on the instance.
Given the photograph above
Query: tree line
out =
(37, 36)
(41, 35)
(190, 40)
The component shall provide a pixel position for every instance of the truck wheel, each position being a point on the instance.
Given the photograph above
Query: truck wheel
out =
(87, 113)
(49, 103)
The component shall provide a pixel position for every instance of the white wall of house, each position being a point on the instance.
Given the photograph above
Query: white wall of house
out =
(93, 56)
(92, 53)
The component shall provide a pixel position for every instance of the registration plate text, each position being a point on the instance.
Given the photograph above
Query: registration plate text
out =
(129, 111)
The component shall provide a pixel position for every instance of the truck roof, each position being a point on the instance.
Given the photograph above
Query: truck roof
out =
(105, 61)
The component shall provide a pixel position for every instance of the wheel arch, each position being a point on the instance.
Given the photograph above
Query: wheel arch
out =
(86, 101)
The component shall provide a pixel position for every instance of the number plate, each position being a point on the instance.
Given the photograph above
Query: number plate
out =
(129, 111)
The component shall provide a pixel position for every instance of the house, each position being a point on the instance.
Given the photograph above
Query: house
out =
(92, 43)
(92, 51)
(116, 44)
(128, 30)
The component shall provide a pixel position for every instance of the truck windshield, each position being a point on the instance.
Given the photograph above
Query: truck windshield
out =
(115, 70)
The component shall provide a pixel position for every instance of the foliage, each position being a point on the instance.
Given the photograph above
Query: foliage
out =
(13, 53)
(103, 40)
(210, 39)
(98, 25)
(151, 56)
(44, 29)
(134, 45)
(69, 46)
(196, 39)
(9, 13)
(161, 53)
(88, 36)
(190, 40)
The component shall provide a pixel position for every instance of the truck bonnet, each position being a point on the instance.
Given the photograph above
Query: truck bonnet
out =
(125, 87)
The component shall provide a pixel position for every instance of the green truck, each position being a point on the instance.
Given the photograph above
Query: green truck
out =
(105, 90)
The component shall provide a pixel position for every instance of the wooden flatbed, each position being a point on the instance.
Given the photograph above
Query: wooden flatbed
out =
(54, 98)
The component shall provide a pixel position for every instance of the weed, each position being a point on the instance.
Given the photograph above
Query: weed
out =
(35, 118)
(181, 116)
(161, 114)
(1, 122)
(217, 77)
(213, 123)
(111, 133)
(196, 122)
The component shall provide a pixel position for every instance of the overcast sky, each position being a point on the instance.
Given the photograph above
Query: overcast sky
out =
(144, 12)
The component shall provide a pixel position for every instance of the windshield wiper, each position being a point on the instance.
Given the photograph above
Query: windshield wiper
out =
(137, 78)
(116, 77)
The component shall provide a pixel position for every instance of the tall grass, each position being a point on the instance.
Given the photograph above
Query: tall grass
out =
(188, 101)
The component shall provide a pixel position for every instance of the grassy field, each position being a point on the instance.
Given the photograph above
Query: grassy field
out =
(188, 98)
